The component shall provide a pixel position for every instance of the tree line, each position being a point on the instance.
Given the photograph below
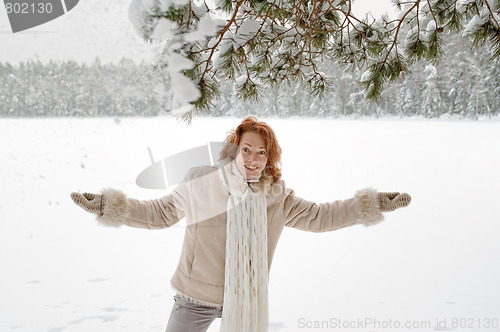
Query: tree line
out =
(69, 88)
(465, 83)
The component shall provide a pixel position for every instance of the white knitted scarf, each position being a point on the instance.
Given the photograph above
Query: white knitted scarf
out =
(245, 307)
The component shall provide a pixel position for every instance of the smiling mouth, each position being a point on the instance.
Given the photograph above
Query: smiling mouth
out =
(251, 168)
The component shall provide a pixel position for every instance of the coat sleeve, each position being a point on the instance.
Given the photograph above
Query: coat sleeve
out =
(150, 214)
(363, 209)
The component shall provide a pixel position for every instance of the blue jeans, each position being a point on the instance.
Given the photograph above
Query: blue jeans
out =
(189, 317)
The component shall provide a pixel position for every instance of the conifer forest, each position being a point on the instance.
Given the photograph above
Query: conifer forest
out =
(465, 83)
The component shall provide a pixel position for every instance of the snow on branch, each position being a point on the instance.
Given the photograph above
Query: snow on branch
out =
(258, 44)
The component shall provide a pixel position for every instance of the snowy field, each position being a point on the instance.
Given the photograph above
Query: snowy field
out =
(434, 265)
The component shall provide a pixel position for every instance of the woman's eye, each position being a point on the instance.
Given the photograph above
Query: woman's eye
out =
(245, 150)
(262, 152)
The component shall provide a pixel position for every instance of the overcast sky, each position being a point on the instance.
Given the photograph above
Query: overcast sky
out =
(96, 28)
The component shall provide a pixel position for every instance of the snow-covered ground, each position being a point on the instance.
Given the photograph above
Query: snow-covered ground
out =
(435, 262)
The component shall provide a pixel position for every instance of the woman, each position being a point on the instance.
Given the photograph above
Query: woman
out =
(235, 214)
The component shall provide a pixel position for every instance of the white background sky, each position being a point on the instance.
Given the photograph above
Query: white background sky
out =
(96, 28)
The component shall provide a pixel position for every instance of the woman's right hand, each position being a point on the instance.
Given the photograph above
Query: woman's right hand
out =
(92, 203)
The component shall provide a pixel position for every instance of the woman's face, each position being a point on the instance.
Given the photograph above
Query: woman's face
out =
(252, 157)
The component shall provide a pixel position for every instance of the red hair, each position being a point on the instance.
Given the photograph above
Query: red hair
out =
(273, 150)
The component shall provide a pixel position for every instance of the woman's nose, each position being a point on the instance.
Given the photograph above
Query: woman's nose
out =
(252, 157)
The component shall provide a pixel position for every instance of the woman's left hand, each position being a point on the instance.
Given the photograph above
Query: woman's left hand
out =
(392, 201)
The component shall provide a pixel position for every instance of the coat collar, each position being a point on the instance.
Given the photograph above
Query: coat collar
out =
(236, 185)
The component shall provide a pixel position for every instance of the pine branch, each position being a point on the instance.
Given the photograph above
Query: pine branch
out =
(275, 42)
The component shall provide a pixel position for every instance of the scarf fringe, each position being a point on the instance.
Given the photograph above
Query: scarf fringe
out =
(246, 307)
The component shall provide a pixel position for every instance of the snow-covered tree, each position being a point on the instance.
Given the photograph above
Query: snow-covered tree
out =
(478, 101)
(432, 105)
(263, 43)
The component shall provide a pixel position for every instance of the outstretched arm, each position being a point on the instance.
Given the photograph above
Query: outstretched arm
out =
(113, 208)
(364, 208)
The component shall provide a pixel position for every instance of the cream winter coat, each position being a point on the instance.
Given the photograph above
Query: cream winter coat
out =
(202, 200)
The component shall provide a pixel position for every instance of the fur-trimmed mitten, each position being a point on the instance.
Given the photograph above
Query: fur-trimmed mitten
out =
(93, 203)
(392, 201)
(110, 207)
